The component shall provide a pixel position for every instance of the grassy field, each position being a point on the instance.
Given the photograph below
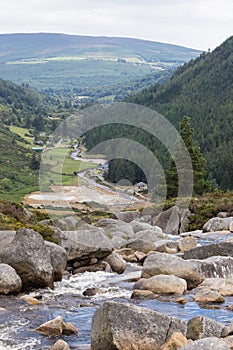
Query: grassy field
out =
(60, 169)
(22, 132)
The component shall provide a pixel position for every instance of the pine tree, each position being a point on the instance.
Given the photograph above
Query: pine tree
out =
(198, 162)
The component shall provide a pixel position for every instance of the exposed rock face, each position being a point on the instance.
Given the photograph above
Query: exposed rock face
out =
(117, 263)
(166, 264)
(206, 251)
(57, 327)
(58, 259)
(119, 326)
(10, 282)
(218, 224)
(172, 220)
(212, 343)
(163, 284)
(202, 327)
(28, 255)
(83, 244)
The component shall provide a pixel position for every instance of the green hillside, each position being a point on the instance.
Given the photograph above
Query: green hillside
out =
(97, 67)
(203, 90)
(17, 176)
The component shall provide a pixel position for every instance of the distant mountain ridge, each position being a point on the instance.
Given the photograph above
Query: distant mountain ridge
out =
(101, 68)
(29, 45)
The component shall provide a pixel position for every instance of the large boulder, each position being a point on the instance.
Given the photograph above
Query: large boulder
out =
(83, 244)
(10, 282)
(202, 327)
(144, 241)
(110, 226)
(175, 342)
(120, 326)
(205, 295)
(206, 251)
(172, 220)
(166, 264)
(163, 284)
(58, 259)
(214, 267)
(28, 255)
(212, 343)
(217, 224)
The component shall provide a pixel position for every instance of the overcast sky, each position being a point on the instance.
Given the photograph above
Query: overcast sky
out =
(200, 24)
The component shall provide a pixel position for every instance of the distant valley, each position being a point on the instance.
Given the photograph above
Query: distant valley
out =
(102, 68)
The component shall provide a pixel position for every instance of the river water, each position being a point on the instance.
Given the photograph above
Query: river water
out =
(67, 300)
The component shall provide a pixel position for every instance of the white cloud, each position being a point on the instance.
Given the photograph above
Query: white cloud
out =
(193, 23)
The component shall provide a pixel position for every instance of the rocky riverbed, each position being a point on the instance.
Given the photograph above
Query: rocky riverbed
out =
(133, 262)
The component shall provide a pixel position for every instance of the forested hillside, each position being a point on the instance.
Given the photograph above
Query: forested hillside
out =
(21, 106)
(203, 90)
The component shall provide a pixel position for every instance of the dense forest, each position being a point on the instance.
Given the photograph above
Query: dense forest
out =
(21, 106)
(202, 89)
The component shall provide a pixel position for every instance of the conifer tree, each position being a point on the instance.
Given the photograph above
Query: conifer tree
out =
(198, 162)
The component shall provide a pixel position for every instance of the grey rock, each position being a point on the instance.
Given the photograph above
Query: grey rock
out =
(71, 222)
(6, 237)
(84, 244)
(162, 284)
(10, 282)
(214, 267)
(127, 216)
(173, 220)
(166, 264)
(58, 259)
(212, 343)
(217, 224)
(202, 327)
(117, 263)
(206, 251)
(111, 226)
(187, 243)
(28, 255)
(118, 242)
(144, 241)
(120, 326)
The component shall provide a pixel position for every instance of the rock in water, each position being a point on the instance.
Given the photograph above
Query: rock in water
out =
(120, 326)
(10, 282)
(57, 327)
(60, 345)
(166, 264)
(163, 284)
(28, 255)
